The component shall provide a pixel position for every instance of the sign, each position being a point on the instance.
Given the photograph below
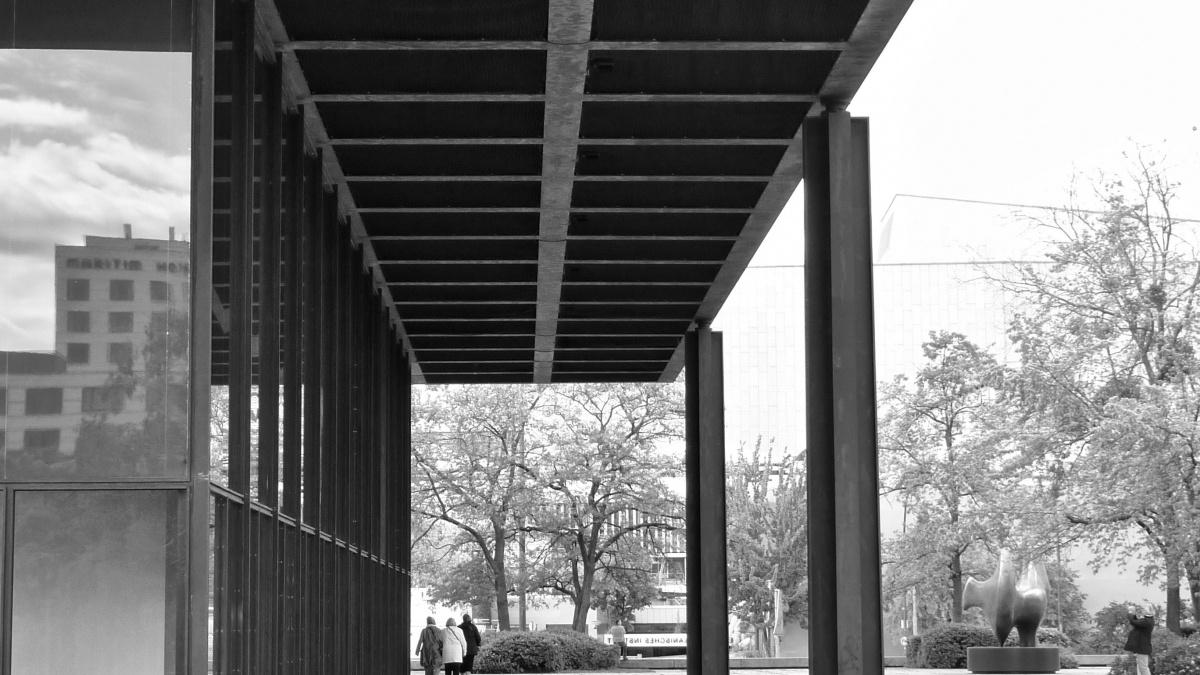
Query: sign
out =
(656, 640)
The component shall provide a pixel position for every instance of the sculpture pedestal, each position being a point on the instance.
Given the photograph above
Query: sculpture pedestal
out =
(1012, 659)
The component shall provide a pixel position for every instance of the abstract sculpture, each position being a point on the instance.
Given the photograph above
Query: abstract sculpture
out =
(1009, 602)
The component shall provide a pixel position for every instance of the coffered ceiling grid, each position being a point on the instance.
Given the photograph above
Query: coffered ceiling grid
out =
(557, 190)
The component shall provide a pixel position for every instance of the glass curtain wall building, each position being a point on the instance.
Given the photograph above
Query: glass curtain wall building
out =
(205, 381)
(128, 485)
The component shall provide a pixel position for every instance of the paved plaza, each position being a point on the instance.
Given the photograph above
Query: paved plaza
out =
(1084, 670)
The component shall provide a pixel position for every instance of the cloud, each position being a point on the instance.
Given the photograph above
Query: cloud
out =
(36, 113)
(54, 192)
(88, 140)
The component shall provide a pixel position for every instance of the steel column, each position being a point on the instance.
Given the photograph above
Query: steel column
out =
(200, 326)
(844, 598)
(707, 609)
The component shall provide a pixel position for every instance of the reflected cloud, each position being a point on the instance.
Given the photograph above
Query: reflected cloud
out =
(27, 112)
(88, 140)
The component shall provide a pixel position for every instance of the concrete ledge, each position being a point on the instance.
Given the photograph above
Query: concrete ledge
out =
(1012, 659)
(679, 663)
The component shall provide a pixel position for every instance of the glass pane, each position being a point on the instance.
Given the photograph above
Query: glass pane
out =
(97, 582)
(94, 268)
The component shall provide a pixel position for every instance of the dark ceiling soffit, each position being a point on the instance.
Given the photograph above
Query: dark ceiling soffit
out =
(875, 27)
(274, 34)
(872, 32)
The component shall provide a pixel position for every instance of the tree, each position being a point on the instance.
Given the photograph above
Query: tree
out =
(468, 581)
(767, 543)
(1064, 606)
(601, 481)
(1108, 377)
(625, 583)
(470, 452)
(945, 455)
(155, 445)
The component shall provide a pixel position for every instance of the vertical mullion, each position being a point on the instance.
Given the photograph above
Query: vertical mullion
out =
(328, 321)
(6, 599)
(294, 273)
(313, 322)
(379, 467)
(240, 301)
(242, 244)
(404, 496)
(220, 633)
(290, 502)
(342, 387)
(200, 325)
(354, 402)
(382, 371)
(267, 589)
(269, 291)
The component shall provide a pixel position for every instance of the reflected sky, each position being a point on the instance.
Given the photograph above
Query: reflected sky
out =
(89, 140)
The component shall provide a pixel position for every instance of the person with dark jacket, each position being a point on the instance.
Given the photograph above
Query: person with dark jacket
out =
(1138, 641)
(474, 640)
(429, 647)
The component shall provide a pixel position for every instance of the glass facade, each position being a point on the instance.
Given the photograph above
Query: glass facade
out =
(97, 159)
(95, 329)
(97, 582)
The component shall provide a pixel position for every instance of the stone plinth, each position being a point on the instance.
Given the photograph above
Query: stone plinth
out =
(1012, 659)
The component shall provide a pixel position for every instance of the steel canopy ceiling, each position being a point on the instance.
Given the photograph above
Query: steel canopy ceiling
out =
(555, 191)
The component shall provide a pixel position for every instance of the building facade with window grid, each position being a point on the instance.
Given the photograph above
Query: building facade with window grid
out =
(107, 293)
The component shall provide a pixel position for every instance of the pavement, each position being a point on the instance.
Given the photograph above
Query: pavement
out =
(631, 668)
(1091, 670)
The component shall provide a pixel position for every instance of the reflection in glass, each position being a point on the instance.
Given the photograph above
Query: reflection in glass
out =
(94, 575)
(94, 279)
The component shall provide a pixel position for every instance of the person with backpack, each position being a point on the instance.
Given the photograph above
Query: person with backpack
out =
(429, 647)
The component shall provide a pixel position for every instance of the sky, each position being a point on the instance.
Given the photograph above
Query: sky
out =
(1006, 101)
(88, 141)
(1010, 100)
(994, 100)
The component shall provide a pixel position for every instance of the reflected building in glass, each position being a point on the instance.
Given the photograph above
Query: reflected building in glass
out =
(117, 300)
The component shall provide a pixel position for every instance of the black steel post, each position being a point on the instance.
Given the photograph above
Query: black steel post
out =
(845, 634)
(708, 652)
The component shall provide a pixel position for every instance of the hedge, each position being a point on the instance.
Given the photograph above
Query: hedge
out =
(912, 652)
(582, 652)
(543, 652)
(946, 646)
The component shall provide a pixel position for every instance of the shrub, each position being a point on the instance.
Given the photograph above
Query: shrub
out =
(520, 653)
(583, 652)
(1173, 655)
(946, 646)
(1066, 659)
(543, 652)
(1049, 636)
(912, 652)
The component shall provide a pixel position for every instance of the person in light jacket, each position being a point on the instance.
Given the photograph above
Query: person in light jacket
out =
(1138, 641)
(474, 640)
(454, 646)
(429, 647)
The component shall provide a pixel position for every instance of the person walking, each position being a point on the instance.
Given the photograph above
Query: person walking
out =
(1138, 641)
(471, 632)
(618, 637)
(454, 646)
(429, 647)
